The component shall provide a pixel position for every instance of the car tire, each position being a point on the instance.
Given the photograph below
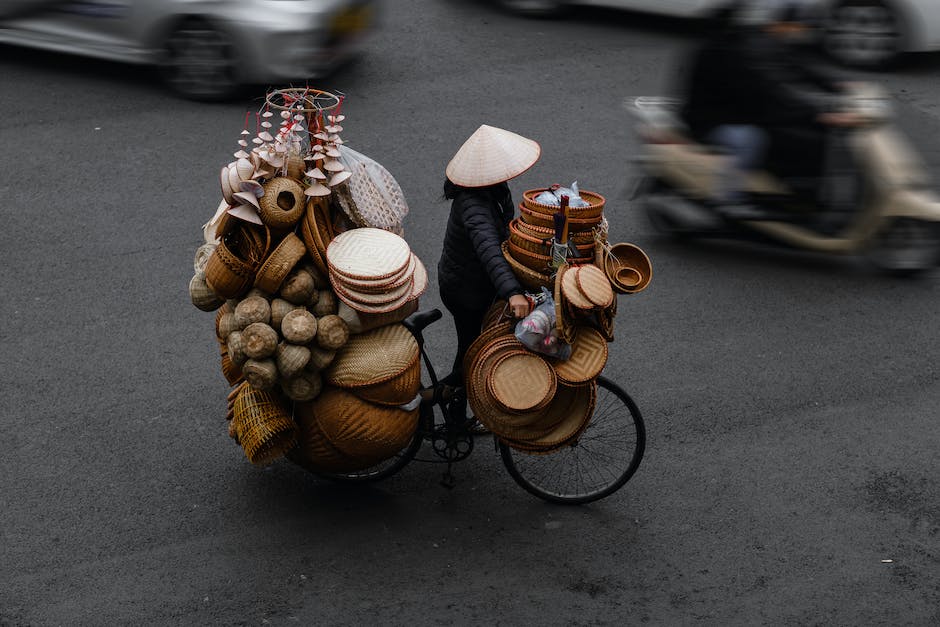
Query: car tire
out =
(200, 62)
(534, 8)
(865, 34)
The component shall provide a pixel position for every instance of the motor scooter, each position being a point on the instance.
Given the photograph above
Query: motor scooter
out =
(881, 206)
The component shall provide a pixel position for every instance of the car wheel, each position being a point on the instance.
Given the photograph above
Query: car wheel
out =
(534, 8)
(863, 33)
(200, 62)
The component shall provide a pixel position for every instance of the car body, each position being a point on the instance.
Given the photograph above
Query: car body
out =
(867, 33)
(207, 47)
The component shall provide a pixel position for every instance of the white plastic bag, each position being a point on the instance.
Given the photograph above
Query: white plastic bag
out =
(537, 330)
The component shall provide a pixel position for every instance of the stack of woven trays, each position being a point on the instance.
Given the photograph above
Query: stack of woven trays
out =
(529, 247)
(312, 377)
(533, 403)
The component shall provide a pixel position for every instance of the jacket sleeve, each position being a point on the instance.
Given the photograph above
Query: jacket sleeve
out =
(485, 237)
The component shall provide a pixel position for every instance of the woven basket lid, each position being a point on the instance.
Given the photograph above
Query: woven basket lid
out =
(521, 382)
(279, 263)
(368, 253)
(492, 155)
(572, 292)
(593, 283)
(570, 412)
(588, 357)
(400, 389)
(373, 357)
(360, 429)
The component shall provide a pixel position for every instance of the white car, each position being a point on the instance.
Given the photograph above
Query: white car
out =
(865, 33)
(206, 48)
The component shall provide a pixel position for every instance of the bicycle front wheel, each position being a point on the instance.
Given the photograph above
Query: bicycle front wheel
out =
(595, 466)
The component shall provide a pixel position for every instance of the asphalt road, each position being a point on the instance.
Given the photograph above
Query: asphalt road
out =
(791, 473)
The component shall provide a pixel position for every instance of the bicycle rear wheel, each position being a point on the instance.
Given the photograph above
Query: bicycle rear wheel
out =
(598, 464)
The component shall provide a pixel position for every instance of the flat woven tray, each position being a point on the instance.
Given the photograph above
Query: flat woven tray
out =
(368, 253)
(593, 283)
(588, 357)
(521, 382)
(571, 292)
(572, 410)
(373, 357)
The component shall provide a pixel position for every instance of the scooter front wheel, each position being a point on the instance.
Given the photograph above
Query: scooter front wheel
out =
(906, 247)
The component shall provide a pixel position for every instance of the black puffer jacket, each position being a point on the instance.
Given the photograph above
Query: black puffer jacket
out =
(472, 270)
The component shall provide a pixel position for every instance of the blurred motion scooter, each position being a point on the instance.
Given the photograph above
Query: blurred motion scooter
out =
(881, 206)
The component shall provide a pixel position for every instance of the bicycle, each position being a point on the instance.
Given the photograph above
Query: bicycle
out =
(597, 464)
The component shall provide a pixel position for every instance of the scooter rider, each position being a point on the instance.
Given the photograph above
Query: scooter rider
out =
(753, 92)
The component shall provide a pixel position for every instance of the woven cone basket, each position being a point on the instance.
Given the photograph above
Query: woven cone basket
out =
(265, 429)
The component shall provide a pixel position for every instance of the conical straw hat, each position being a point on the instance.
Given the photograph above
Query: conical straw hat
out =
(492, 155)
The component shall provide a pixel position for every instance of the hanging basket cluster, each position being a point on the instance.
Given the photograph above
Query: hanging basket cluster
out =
(315, 374)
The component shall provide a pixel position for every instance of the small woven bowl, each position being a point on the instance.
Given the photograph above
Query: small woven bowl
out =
(595, 201)
(575, 225)
(528, 277)
(628, 268)
(279, 263)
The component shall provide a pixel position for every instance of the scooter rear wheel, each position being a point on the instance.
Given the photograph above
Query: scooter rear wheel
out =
(906, 247)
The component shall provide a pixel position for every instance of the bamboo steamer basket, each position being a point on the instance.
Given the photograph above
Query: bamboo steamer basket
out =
(262, 424)
(528, 277)
(399, 390)
(544, 220)
(282, 205)
(314, 451)
(521, 382)
(594, 209)
(588, 357)
(279, 263)
(361, 430)
(571, 411)
(374, 357)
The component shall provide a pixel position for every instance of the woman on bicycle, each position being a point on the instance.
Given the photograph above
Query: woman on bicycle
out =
(472, 272)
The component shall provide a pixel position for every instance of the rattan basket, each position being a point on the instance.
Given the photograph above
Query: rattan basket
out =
(399, 390)
(311, 233)
(232, 265)
(279, 263)
(528, 277)
(622, 260)
(538, 262)
(545, 234)
(575, 225)
(373, 357)
(263, 426)
(362, 430)
(595, 201)
(539, 245)
(282, 204)
(314, 451)
(570, 291)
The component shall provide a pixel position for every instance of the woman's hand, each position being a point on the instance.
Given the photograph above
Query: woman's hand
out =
(519, 305)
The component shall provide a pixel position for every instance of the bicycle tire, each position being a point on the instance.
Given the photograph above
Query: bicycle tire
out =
(577, 473)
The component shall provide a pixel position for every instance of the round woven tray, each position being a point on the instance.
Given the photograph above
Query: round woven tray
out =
(490, 332)
(593, 283)
(368, 253)
(420, 284)
(279, 263)
(521, 382)
(575, 225)
(588, 357)
(528, 277)
(361, 307)
(362, 430)
(373, 357)
(376, 298)
(595, 201)
(571, 411)
(398, 390)
(379, 286)
(571, 291)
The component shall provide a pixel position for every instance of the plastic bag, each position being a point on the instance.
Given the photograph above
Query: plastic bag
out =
(537, 330)
(553, 196)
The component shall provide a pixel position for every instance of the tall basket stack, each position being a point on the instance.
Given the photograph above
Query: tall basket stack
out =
(313, 349)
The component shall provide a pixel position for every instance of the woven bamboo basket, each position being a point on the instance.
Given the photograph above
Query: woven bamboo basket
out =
(400, 389)
(282, 205)
(229, 272)
(624, 260)
(314, 451)
(594, 209)
(545, 234)
(362, 430)
(309, 230)
(279, 263)
(527, 242)
(575, 225)
(538, 262)
(264, 428)
(588, 357)
(528, 277)
(374, 357)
